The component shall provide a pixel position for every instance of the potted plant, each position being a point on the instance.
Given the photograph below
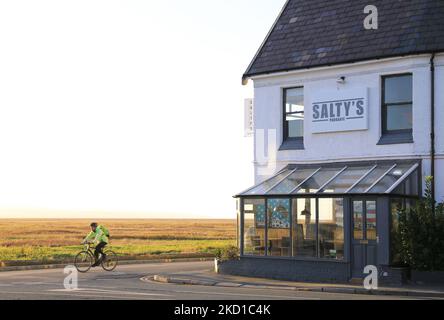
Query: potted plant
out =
(422, 239)
(225, 254)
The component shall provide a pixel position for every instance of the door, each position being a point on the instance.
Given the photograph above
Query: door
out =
(364, 236)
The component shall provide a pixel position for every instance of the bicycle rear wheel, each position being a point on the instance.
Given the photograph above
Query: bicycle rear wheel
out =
(83, 261)
(110, 262)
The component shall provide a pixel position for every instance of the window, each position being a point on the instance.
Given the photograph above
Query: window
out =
(370, 179)
(293, 118)
(331, 228)
(267, 184)
(238, 223)
(254, 227)
(278, 227)
(292, 181)
(358, 220)
(397, 113)
(316, 182)
(346, 180)
(371, 220)
(391, 178)
(304, 227)
(410, 186)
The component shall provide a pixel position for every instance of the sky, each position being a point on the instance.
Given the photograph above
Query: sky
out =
(126, 109)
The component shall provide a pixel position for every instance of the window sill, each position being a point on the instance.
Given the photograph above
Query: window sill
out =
(396, 138)
(292, 144)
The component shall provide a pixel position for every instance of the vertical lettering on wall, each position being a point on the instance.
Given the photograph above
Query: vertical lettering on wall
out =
(266, 162)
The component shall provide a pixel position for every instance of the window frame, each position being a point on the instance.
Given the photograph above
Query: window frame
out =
(291, 256)
(268, 227)
(385, 105)
(320, 228)
(291, 142)
(294, 218)
(242, 227)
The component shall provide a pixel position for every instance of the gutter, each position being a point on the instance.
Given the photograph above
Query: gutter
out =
(432, 133)
(279, 72)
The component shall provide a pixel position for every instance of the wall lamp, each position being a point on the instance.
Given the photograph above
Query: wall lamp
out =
(341, 80)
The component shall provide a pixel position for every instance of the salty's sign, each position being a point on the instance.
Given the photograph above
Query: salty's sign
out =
(341, 110)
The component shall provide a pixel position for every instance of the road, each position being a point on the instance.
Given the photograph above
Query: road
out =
(125, 283)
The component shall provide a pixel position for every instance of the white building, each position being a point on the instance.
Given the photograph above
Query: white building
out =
(352, 122)
(308, 141)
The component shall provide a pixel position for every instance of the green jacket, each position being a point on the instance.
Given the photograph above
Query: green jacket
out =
(100, 235)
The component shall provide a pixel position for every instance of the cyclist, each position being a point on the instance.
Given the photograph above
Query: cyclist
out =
(99, 235)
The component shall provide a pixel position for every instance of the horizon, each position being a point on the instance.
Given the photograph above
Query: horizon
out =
(52, 214)
(117, 219)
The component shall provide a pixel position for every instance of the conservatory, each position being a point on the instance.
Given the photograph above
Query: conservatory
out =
(325, 221)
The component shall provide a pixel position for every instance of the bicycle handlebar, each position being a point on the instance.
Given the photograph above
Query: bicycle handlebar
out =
(88, 244)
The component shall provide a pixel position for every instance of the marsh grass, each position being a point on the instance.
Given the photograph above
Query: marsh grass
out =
(58, 240)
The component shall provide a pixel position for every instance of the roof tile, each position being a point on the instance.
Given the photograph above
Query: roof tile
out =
(323, 32)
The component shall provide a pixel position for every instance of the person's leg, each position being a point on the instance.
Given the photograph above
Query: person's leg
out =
(99, 250)
(103, 255)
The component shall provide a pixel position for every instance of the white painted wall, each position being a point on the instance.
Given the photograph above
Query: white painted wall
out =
(356, 145)
(439, 127)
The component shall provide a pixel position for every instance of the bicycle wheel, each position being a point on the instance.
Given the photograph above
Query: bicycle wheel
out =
(83, 261)
(110, 262)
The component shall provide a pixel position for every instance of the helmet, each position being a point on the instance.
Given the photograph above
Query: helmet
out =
(93, 224)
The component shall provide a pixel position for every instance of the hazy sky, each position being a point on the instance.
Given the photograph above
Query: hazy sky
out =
(126, 106)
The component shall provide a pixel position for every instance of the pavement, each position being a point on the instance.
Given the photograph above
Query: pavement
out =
(135, 282)
(121, 263)
(209, 278)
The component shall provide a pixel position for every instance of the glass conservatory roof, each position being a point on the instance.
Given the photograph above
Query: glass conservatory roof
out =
(355, 178)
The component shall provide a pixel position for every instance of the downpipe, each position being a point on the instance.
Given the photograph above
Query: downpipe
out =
(432, 134)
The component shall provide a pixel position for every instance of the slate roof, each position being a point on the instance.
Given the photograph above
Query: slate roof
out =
(314, 33)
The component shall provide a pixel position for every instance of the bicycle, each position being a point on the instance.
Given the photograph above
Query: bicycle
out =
(85, 259)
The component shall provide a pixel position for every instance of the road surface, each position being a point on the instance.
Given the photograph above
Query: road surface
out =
(125, 283)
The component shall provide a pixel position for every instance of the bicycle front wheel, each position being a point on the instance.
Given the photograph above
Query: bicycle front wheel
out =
(110, 262)
(83, 261)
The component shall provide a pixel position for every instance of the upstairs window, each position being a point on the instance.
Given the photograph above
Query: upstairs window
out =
(397, 111)
(293, 118)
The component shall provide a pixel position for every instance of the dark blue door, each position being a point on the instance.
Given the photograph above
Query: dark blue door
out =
(364, 236)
